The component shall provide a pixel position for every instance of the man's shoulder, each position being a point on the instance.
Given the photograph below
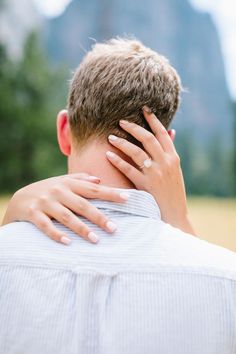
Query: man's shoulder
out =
(165, 248)
(22, 239)
(15, 231)
(196, 254)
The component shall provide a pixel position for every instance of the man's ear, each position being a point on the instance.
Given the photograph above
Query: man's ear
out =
(63, 132)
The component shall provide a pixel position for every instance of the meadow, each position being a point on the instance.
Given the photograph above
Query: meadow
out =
(214, 219)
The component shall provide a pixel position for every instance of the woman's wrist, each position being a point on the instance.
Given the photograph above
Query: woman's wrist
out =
(13, 212)
(7, 217)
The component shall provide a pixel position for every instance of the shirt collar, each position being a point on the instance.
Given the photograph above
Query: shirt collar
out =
(139, 203)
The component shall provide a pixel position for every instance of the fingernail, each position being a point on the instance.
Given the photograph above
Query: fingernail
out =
(123, 121)
(147, 109)
(93, 237)
(111, 226)
(110, 154)
(94, 179)
(66, 240)
(124, 196)
(173, 135)
(112, 137)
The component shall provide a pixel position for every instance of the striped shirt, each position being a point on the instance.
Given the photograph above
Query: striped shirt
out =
(148, 289)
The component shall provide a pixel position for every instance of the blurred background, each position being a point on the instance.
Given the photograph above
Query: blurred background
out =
(42, 42)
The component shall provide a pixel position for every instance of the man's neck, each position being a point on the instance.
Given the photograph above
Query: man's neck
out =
(92, 160)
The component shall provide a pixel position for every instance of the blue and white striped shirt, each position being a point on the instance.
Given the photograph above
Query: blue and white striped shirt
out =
(149, 289)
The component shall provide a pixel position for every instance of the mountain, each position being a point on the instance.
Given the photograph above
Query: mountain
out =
(17, 19)
(187, 37)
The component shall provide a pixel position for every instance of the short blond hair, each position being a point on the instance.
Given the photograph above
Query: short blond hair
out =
(114, 81)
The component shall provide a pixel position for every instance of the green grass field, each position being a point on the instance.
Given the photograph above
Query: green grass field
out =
(214, 219)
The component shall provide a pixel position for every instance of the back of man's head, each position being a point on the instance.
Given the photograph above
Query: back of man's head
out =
(114, 81)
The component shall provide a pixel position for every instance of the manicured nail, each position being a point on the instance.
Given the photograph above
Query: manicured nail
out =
(124, 122)
(66, 240)
(93, 237)
(147, 109)
(94, 179)
(111, 226)
(110, 154)
(124, 196)
(172, 134)
(112, 137)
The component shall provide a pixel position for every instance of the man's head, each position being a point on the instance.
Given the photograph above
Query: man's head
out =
(114, 81)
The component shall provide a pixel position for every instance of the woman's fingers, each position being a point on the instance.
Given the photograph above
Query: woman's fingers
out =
(131, 150)
(91, 191)
(45, 224)
(134, 175)
(61, 211)
(148, 140)
(85, 177)
(159, 130)
(84, 208)
(64, 199)
(65, 217)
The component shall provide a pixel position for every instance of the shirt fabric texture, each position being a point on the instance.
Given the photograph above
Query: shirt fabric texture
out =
(147, 289)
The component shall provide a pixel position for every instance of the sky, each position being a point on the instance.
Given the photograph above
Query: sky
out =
(52, 8)
(224, 16)
(222, 11)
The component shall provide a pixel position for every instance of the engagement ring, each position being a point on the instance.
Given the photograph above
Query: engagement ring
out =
(146, 163)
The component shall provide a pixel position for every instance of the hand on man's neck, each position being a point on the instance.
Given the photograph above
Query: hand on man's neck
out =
(92, 160)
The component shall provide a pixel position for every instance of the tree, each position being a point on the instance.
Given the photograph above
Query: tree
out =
(30, 99)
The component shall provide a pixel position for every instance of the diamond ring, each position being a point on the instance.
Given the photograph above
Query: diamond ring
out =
(146, 163)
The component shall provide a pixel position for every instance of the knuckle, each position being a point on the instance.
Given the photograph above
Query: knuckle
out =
(168, 164)
(150, 138)
(126, 168)
(159, 175)
(94, 189)
(164, 131)
(66, 180)
(112, 194)
(119, 163)
(43, 225)
(121, 142)
(167, 167)
(175, 159)
(56, 190)
(82, 204)
(137, 153)
(65, 217)
(31, 210)
(43, 200)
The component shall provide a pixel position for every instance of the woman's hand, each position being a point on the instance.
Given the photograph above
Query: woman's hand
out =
(59, 198)
(156, 169)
